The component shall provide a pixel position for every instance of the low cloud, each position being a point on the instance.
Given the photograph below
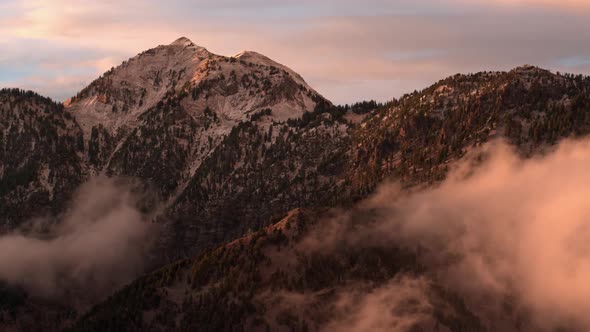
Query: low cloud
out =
(399, 305)
(99, 245)
(511, 236)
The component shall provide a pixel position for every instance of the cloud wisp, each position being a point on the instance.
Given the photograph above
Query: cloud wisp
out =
(511, 236)
(101, 243)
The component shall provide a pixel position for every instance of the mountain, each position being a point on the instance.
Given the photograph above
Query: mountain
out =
(417, 138)
(268, 280)
(242, 148)
(231, 87)
(210, 133)
(214, 137)
(182, 119)
(181, 99)
(205, 94)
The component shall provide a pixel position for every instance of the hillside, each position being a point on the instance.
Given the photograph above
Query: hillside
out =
(41, 154)
(270, 281)
(417, 138)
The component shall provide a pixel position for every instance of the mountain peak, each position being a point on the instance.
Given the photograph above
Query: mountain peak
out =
(182, 41)
(529, 69)
(118, 98)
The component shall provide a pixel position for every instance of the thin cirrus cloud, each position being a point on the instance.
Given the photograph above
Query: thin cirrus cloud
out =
(348, 50)
(557, 4)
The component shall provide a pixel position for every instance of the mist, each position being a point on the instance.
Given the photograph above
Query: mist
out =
(511, 236)
(399, 305)
(98, 245)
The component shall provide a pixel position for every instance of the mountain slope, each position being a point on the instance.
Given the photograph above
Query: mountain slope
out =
(415, 139)
(198, 82)
(255, 176)
(269, 281)
(41, 154)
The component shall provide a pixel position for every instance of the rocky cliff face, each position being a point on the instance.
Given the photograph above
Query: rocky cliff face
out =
(233, 87)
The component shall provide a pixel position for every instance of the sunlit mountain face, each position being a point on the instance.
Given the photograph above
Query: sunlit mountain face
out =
(294, 166)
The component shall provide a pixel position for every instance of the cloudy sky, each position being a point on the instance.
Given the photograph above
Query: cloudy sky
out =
(348, 50)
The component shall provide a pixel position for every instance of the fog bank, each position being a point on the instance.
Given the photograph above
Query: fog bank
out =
(511, 236)
(99, 245)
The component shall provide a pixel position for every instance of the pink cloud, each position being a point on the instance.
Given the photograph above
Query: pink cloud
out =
(329, 52)
(553, 4)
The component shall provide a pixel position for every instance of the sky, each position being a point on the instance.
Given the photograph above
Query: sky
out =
(348, 50)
